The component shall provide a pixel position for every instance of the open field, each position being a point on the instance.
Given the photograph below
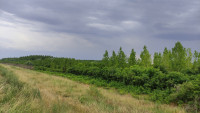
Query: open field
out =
(58, 94)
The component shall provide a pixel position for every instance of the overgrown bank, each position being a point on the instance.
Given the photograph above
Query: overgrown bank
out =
(61, 95)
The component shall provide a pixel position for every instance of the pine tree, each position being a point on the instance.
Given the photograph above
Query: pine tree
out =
(145, 58)
(132, 58)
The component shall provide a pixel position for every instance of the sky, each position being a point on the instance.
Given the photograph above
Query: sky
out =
(84, 29)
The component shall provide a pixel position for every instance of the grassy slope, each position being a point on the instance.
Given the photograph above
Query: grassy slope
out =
(60, 94)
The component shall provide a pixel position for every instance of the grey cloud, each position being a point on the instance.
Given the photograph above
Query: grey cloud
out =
(71, 15)
(99, 21)
(179, 36)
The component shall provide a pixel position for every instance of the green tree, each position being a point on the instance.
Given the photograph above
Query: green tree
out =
(132, 58)
(166, 59)
(145, 57)
(121, 58)
(157, 60)
(188, 59)
(178, 57)
(113, 59)
(105, 59)
(196, 63)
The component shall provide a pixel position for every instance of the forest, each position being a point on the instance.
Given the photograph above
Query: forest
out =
(172, 76)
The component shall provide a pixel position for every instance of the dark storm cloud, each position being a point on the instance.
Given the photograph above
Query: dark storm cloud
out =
(104, 18)
(108, 23)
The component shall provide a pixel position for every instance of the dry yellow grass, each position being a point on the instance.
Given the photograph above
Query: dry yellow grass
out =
(75, 97)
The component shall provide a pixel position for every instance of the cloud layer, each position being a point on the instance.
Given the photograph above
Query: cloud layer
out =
(85, 28)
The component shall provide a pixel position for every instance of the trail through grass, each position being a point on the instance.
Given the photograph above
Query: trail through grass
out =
(59, 95)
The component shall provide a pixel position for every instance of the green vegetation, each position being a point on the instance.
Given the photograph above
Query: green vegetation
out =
(173, 77)
(61, 95)
(17, 96)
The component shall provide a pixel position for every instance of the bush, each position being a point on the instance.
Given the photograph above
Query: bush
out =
(161, 95)
(189, 93)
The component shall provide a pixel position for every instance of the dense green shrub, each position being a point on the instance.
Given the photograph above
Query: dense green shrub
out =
(188, 93)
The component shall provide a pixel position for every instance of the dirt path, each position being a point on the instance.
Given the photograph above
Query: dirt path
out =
(74, 97)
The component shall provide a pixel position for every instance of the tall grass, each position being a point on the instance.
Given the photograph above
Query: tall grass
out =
(19, 97)
(16, 95)
(94, 97)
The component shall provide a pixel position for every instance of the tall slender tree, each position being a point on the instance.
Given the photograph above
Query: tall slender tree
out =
(157, 60)
(121, 58)
(113, 59)
(105, 59)
(178, 57)
(166, 59)
(145, 57)
(132, 58)
(196, 63)
(189, 59)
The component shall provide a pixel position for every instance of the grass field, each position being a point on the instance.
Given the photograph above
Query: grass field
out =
(37, 92)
